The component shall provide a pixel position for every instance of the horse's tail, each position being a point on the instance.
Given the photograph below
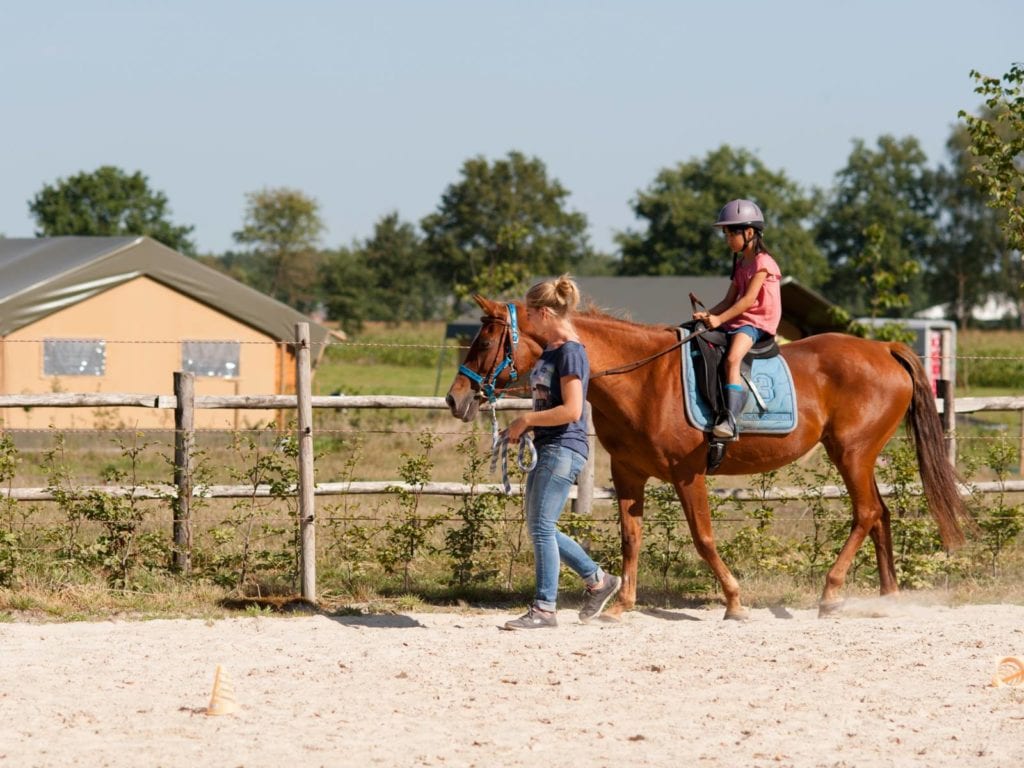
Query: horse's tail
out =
(937, 475)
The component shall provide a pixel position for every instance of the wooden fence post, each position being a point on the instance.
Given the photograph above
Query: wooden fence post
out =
(584, 501)
(944, 390)
(184, 450)
(1020, 449)
(304, 403)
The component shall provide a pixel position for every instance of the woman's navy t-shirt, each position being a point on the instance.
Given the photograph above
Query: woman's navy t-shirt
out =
(570, 359)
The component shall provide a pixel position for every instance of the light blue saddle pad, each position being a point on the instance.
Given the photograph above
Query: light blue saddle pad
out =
(773, 382)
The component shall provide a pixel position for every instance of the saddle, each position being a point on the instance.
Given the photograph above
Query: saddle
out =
(702, 372)
(712, 346)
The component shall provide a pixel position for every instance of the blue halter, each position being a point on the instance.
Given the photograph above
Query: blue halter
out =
(511, 339)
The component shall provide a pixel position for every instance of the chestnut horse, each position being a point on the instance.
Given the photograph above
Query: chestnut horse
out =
(852, 394)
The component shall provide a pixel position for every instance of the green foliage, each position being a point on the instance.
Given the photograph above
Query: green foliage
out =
(403, 288)
(344, 275)
(473, 543)
(817, 549)
(501, 223)
(121, 546)
(917, 546)
(891, 189)
(406, 537)
(997, 140)
(667, 547)
(681, 204)
(1000, 521)
(999, 367)
(249, 545)
(754, 548)
(10, 541)
(884, 283)
(107, 202)
(282, 227)
(970, 258)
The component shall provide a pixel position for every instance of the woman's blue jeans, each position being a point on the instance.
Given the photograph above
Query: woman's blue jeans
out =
(547, 490)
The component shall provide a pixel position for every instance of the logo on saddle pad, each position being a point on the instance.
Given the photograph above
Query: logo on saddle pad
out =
(771, 405)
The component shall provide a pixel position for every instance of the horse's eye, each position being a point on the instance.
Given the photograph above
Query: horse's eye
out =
(486, 343)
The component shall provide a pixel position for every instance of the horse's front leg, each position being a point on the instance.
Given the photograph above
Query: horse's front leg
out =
(693, 493)
(629, 488)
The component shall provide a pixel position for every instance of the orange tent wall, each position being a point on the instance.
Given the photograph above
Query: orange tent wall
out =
(142, 322)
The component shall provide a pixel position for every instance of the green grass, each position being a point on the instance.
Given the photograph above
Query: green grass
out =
(409, 360)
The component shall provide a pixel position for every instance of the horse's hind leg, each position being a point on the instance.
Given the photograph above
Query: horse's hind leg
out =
(693, 493)
(867, 519)
(881, 535)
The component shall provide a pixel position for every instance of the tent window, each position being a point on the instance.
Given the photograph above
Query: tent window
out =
(74, 357)
(211, 358)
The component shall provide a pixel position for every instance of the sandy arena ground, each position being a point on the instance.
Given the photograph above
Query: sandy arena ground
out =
(886, 684)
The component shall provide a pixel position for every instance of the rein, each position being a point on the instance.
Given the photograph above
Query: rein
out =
(640, 363)
(694, 302)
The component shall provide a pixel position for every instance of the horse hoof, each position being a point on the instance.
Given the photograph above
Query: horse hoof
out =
(830, 608)
(741, 614)
(614, 612)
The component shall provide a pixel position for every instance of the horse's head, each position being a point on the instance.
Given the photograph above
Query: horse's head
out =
(499, 359)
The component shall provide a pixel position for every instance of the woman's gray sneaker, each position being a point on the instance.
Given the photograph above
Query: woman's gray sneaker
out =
(533, 619)
(597, 598)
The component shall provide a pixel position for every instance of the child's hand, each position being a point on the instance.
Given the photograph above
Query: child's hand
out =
(711, 321)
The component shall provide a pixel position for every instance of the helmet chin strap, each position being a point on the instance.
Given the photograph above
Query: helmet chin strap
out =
(746, 240)
(736, 254)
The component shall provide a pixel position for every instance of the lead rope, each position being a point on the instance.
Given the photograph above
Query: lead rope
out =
(499, 449)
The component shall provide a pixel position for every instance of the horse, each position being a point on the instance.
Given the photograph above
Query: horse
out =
(852, 395)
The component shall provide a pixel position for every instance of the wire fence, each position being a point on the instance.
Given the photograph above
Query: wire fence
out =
(294, 416)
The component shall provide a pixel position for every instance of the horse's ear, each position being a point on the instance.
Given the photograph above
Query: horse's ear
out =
(484, 304)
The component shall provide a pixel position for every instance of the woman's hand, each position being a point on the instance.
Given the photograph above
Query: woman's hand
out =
(516, 429)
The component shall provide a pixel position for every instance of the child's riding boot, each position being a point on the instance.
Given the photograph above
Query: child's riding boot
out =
(735, 399)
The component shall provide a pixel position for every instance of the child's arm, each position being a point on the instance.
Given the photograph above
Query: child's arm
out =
(725, 310)
(730, 297)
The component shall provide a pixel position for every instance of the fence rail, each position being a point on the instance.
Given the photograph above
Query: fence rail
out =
(184, 401)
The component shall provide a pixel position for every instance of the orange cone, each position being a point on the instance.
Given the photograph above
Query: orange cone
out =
(222, 700)
(1009, 672)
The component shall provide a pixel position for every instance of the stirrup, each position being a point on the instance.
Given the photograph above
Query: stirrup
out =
(716, 453)
(726, 428)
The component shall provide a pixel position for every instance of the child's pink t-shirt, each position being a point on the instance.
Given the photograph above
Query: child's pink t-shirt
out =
(767, 309)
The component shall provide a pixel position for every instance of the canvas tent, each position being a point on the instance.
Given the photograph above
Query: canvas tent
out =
(121, 314)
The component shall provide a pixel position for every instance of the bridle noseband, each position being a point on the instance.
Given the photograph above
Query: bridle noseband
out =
(510, 339)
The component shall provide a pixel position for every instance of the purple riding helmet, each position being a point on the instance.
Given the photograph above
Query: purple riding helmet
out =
(741, 213)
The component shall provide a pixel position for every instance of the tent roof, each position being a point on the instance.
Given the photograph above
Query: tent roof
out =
(40, 276)
(665, 301)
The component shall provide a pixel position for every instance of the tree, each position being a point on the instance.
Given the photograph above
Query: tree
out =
(402, 287)
(997, 141)
(344, 278)
(890, 187)
(283, 226)
(682, 203)
(502, 223)
(109, 203)
(970, 246)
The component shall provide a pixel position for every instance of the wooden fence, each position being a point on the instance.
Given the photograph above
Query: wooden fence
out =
(184, 402)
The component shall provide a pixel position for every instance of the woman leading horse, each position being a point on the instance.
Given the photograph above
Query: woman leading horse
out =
(852, 395)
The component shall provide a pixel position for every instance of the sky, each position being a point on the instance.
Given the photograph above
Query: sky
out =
(372, 107)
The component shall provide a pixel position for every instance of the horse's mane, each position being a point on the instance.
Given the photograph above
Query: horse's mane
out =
(591, 311)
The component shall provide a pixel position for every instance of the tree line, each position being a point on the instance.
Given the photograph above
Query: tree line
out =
(891, 236)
